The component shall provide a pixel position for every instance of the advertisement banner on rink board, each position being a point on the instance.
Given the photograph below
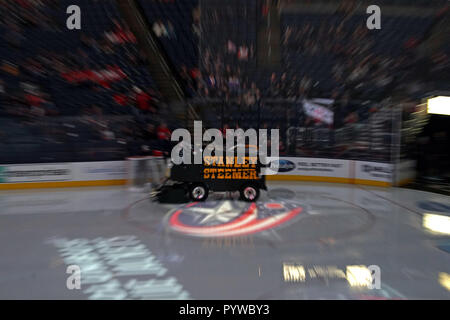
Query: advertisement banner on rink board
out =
(59, 172)
(313, 167)
(308, 169)
(35, 173)
(102, 170)
(373, 171)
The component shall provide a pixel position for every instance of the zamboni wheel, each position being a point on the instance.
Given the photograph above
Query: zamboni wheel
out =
(198, 192)
(249, 193)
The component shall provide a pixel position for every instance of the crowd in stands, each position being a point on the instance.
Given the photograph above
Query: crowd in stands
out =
(100, 72)
(227, 47)
(352, 3)
(329, 55)
(323, 54)
(53, 66)
(47, 70)
(176, 25)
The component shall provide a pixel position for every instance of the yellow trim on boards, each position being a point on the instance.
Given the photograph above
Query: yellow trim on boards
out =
(328, 179)
(307, 178)
(405, 181)
(372, 183)
(98, 183)
(61, 184)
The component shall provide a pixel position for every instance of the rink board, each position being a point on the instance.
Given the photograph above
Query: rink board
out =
(107, 173)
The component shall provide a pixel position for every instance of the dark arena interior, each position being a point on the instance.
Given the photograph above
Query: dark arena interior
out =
(354, 97)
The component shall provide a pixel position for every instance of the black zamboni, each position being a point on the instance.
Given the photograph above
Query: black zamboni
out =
(195, 181)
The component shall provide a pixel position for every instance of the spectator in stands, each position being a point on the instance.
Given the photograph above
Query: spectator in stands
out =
(121, 99)
(107, 133)
(143, 100)
(284, 85)
(273, 85)
(10, 68)
(243, 53)
(196, 15)
(163, 132)
(160, 29)
(188, 81)
(231, 47)
(34, 100)
(149, 133)
(234, 85)
(171, 34)
(211, 84)
(265, 9)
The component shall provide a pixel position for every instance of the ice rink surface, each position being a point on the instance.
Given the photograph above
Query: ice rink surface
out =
(300, 241)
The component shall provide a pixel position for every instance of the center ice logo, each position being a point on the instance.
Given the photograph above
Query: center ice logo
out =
(228, 218)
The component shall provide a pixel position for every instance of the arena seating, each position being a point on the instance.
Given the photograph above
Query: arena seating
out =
(237, 21)
(182, 44)
(410, 3)
(93, 73)
(88, 51)
(49, 71)
(315, 53)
